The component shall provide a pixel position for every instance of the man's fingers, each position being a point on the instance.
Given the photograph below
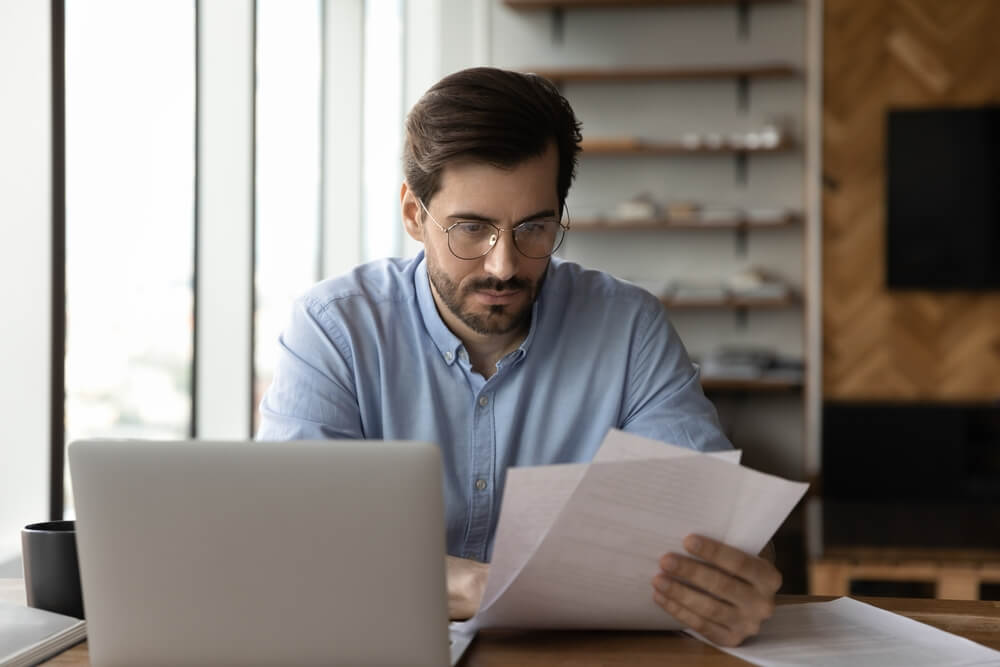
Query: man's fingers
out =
(758, 572)
(714, 581)
(704, 605)
(714, 632)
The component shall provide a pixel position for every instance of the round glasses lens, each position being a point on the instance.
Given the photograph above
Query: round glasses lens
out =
(469, 240)
(538, 239)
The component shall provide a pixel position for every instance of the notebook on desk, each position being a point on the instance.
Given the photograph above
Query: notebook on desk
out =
(28, 636)
(207, 553)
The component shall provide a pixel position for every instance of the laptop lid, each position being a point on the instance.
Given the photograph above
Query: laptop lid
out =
(203, 553)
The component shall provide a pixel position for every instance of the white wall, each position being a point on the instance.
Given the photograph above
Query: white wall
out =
(25, 267)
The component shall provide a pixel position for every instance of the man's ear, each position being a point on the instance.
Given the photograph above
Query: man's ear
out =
(410, 212)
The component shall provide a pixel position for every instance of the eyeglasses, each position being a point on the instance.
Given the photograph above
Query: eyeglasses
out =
(535, 239)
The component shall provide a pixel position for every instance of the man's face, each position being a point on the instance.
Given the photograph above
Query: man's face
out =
(491, 295)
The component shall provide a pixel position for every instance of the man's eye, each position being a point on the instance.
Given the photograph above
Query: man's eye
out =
(471, 228)
(538, 227)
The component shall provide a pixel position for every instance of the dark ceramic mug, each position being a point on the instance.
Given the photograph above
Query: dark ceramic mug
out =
(51, 569)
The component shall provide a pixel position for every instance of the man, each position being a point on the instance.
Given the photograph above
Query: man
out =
(502, 354)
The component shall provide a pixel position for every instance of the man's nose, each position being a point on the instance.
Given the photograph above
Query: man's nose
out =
(501, 262)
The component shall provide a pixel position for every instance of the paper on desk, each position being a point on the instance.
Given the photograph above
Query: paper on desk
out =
(848, 633)
(595, 532)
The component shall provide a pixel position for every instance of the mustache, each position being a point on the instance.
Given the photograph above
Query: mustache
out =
(499, 285)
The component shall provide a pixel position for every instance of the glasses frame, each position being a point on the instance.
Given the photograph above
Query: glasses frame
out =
(500, 230)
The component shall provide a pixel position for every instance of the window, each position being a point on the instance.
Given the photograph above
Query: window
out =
(288, 205)
(130, 142)
(383, 120)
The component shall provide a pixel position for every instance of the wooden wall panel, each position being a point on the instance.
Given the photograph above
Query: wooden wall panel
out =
(902, 345)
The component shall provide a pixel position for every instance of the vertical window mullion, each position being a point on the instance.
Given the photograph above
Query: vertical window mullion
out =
(342, 130)
(225, 210)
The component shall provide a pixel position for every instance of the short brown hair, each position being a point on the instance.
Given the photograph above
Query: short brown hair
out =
(488, 115)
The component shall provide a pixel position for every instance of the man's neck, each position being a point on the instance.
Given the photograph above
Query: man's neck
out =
(486, 350)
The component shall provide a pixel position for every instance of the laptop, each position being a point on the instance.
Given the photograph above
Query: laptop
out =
(224, 553)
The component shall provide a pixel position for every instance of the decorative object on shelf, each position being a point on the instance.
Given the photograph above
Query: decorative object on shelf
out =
(750, 362)
(758, 283)
(770, 136)
(738, 362)
(683, 211)
(687, 214)
(641, 207)
(711, 142)
(680, 292)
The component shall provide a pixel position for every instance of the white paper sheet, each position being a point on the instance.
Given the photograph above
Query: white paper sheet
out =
(577, 546)
(532, 499)
(622, 446)
(848, 633)
(534, 496)
(460, 635)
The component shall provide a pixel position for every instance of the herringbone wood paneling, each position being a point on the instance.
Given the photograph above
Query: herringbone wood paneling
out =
(901, 345)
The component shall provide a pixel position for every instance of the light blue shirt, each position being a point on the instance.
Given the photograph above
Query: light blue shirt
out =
(367, 355)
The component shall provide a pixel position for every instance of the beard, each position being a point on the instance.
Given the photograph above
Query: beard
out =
(495, 319)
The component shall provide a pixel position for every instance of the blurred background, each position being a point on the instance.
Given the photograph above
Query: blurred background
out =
(810, 187)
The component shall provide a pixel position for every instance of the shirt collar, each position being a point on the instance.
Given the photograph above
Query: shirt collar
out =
(446, 341)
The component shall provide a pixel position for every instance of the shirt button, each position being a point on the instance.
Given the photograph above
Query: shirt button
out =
(448, 356)
(481, 484)
(483, 401)
(462, 355)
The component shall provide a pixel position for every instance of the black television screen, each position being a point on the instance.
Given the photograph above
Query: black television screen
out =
(943, 199)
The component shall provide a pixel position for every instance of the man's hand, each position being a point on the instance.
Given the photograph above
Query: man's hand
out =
(466, 583)
(724, 596)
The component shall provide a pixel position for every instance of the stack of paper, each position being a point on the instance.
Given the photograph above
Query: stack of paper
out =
(28, 636)
(578, 544)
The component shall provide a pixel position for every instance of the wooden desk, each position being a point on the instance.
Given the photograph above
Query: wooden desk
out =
(975, 620)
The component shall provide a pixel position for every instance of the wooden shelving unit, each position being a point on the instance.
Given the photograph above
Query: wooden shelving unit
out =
(665, 224)
(615, 4)
(730, 302)
(761, 385)
(626, 72)
(640, 147)
(633, 74)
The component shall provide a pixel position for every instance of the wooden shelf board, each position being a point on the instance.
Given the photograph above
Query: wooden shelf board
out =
(662, 224)
(768, 70)
(638, 147)
(732, 302)
(615, 4)
(757, 385)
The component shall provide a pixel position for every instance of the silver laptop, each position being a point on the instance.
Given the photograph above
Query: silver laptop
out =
(225, 553)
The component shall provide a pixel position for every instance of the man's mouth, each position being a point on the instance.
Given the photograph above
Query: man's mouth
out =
(496, 297)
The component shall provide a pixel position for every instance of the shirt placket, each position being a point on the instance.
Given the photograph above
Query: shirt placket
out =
(481, 469)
